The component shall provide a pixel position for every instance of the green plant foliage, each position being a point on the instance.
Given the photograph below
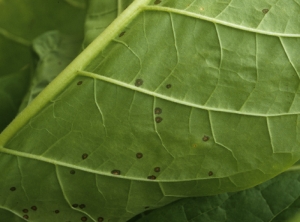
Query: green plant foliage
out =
(173, 99)
(275, 200)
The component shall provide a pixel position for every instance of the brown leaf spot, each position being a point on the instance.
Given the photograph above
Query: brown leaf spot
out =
(81, 206)
(157, 110)
(56, 211)
(158, 119)
(25, 211)
(34, 208)
(138, 82)
(75, 205)
(210, 173)
(205, 138)
(84, 156)
(100, 219)
(265, 11)
(157, 169)
(157, 2)
(116, 172)
(25, 216)
(168, 86)
(122, 33)
(72, 171)
(79, 83)
(12, 189)
(152, 177)
(84, 219)
(139, 155)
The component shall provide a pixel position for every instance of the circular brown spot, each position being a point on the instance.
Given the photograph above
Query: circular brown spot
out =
(81, 206)
(12, 189)
(152, 177)
(157, 110)
(25, 211)
(210, 173)
(84, 219)
(34, 208)
(122, 33)
(205, 138)
(72, 171)
(158, 119)
(265, 11)
(157, 2)
(157, 169)
(84, 156)
(116, 172)
(56, 211)
(168, 86)
(79, 83)
(139, 155)
(75, 205)
(146, 207)
(100, 219)
(138, 82)
(25, 216)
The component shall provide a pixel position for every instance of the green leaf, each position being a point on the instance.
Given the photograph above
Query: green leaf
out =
(173, 99)
(274, 200)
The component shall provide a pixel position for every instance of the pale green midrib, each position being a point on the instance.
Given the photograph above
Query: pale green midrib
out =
(171, 99)
(14, 37)
(65, 77)
(85, 169)
(216, 21)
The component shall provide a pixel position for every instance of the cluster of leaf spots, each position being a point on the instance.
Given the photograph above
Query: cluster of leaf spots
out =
(152, 177)
(158, 111)
(25, 211)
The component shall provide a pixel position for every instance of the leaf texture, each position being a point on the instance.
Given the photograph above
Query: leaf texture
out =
(173, 99)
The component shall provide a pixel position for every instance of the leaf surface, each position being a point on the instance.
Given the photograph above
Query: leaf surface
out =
(173, 99)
